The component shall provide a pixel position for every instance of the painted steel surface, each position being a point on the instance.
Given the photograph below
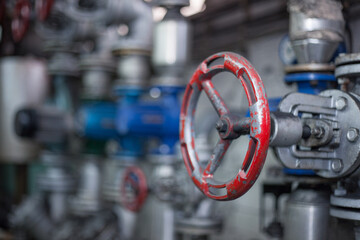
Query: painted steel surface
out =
(97, 120)
(21, 19)
(157, 118)
(258, 126)
(134, 189)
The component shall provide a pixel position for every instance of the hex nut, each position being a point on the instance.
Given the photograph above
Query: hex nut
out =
(352, 134)
(336, 165)
(340, 103)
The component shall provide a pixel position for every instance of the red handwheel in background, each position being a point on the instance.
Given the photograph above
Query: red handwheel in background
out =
(43, 8)
(134, 189)
(229, 126)
(21, 19)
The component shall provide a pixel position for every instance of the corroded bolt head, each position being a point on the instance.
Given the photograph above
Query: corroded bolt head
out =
(318, 132)
(352, 134)
(340, 103)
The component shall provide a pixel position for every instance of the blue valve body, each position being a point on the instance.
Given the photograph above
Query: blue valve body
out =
(97, 120)
(133, 119)
(305, 80)
(158, 118)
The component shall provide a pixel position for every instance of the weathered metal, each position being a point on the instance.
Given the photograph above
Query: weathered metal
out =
(134, 189)
(328, 148)
(258, 125)
(21, 19)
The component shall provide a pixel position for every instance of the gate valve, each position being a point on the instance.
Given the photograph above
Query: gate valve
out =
(134, 189)
(43, 8)
(21, 19)
(229, 127)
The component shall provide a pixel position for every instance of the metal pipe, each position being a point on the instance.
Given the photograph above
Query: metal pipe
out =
(138, 16)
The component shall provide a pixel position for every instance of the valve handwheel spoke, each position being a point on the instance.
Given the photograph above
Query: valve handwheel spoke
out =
(218, 154)
(215, 98)
(21, 19)
(133, 189)
(229, 127)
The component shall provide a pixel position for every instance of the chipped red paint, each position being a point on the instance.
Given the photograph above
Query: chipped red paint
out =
(134, 178)
(215, 97)
(43, 8)
(21, 19)
(259, 125)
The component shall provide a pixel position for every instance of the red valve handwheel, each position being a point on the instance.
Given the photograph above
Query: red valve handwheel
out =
(43, 8)
(133, 189)
(229, 126)
(21, 19)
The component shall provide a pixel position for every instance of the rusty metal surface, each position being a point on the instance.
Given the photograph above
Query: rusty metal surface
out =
(259, 127)
(21, 19)
(134, 189)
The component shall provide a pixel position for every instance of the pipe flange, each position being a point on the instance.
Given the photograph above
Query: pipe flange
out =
(121, 51)
(82, 206)
(347, 65)
(345, 207)
(310, 67)
(350, 58)
(56, 177)
(198, 226)
(63, 183)
(347, 201)
(64, 64)
(97, 62)
(173, 3)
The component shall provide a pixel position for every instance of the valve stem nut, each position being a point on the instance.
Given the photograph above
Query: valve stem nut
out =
(318, 132)
(221, 126)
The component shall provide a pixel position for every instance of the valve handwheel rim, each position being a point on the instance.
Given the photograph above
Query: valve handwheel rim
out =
(21, 20)
(229, 127)
(43, 8)
(134, 179)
